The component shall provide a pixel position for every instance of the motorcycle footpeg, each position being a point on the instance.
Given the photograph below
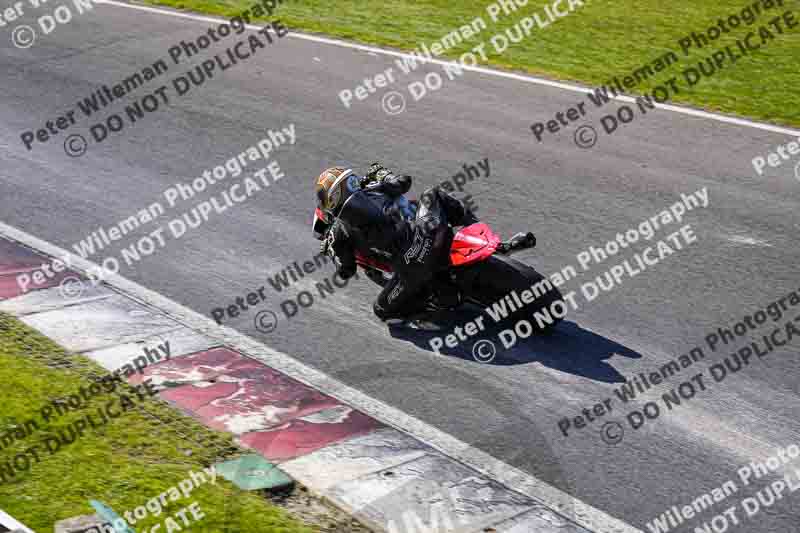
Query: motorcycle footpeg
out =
(520, 241)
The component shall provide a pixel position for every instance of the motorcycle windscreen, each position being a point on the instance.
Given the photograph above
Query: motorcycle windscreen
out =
(473, 243)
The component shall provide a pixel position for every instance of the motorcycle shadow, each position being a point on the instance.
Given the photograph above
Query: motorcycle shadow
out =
(567, 348)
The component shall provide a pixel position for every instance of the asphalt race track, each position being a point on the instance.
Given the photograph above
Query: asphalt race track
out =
(745, 256)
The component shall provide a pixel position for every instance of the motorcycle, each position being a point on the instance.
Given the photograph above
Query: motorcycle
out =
(481, 272)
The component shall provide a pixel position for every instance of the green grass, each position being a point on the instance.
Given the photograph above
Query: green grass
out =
(591, 45)
(123, 464)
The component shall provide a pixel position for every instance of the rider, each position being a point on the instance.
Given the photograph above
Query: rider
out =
(368, 214)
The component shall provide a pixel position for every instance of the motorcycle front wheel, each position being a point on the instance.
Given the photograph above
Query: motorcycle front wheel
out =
(494, 282)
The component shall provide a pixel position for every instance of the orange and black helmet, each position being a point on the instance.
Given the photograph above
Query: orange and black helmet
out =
(332, 188)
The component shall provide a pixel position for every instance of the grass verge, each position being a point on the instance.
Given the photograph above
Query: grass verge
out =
(124, 464)
(593, 44)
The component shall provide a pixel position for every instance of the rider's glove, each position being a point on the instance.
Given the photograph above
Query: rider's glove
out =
(381, 179)
(340, 250)
(376, 173)
(326, 246)
(374, 168)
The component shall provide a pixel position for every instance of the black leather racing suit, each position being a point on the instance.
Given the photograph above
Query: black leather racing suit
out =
(371, 222)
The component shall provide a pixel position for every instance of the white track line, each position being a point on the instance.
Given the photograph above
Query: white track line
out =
(513, 478)
(10, 522)
(483, 70)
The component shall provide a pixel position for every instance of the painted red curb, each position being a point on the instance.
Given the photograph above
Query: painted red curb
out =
(268, 411)
(16, 259)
